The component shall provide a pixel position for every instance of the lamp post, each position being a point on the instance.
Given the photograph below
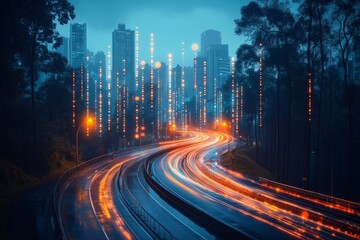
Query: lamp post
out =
(89, 121)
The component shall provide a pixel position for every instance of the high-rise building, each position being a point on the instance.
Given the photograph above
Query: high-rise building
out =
(209, 37)
(200, 70)
(161, 96)
(177, 98)
(77, 46)
(123, 78)
(123, 55)
(217, 60)
(218, 72)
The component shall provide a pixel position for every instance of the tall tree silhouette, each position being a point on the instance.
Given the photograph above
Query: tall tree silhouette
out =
(347, 15)
(39, 19)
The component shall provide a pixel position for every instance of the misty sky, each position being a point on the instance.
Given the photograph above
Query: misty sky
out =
(172, 23)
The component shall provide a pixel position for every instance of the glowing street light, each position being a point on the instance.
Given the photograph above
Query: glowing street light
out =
(88, 122)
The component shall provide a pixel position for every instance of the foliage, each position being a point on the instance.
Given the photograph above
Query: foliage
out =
(30, 28)
(319, 37)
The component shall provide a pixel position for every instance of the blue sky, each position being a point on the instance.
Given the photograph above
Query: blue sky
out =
(172, 23)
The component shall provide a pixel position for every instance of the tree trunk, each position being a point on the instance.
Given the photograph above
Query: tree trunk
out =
(288, 154)
(349, 116)
(309, 75)
(32, 86)
(33, 111)
(322, 76)
(278, 123)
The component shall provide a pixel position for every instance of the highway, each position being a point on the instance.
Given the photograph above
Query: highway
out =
(177, 190)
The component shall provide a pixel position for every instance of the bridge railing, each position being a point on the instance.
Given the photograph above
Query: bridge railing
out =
(67, 175)
(139, 211)
(342, 204)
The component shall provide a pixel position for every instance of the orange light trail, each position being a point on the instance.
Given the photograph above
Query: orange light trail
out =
(190, 170)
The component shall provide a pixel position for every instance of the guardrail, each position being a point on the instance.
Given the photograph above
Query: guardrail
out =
(60, 186)
(156, 228)
(213, 224)
(341, 204)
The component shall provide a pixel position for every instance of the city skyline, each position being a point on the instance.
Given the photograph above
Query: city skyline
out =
(166, 21)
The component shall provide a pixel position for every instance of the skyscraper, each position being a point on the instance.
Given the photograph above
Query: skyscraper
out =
(77, 45)
(123, 55)
(123, 77)
(217, 58)
(209, 37)
(200, 70)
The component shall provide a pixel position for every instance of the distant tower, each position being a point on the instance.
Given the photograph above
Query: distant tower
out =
(123, 76)
(209, 37)
(217, 73)
(77, 45)
(200, 83)
(123, 51)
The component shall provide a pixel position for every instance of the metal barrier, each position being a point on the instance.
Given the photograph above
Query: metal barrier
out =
(193, 212)
(347, 206)
(61, 186)
(158, 230)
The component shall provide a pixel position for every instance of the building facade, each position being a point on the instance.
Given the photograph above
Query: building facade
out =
(78, 45)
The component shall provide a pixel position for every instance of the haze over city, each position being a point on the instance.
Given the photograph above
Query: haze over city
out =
(166, 19)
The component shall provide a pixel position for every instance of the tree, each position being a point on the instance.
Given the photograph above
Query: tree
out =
(274, 25)
(347, 15)
(39, 18)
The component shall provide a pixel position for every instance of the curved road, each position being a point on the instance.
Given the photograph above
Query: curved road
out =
(177, 190)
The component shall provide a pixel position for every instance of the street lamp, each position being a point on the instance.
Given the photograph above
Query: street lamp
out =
(88, 121)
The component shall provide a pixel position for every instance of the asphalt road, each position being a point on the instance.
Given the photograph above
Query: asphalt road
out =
(177, 190)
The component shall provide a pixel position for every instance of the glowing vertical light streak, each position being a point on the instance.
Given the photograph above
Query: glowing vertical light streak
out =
(73, 98)
(123, 88)
(108, 74)
(241, 101)
(201, 111)
(100, 101)
(96, 117)
(170, 88)
(124, 110)
(82, 82)
(309, 96)
(136, 59)
(117, 97)
(152, 83)
(137, 98)
(237, 123)
(142, 91)
(220, 106)
(159, 100)
(215, 101)
(182, 110)
(233, 120)
(205, 93)
(260, 87)
(87, 95)
(197, 116)
(109, 105)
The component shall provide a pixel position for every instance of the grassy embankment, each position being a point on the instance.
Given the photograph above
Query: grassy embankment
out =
(241, 160)
(13, 180)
